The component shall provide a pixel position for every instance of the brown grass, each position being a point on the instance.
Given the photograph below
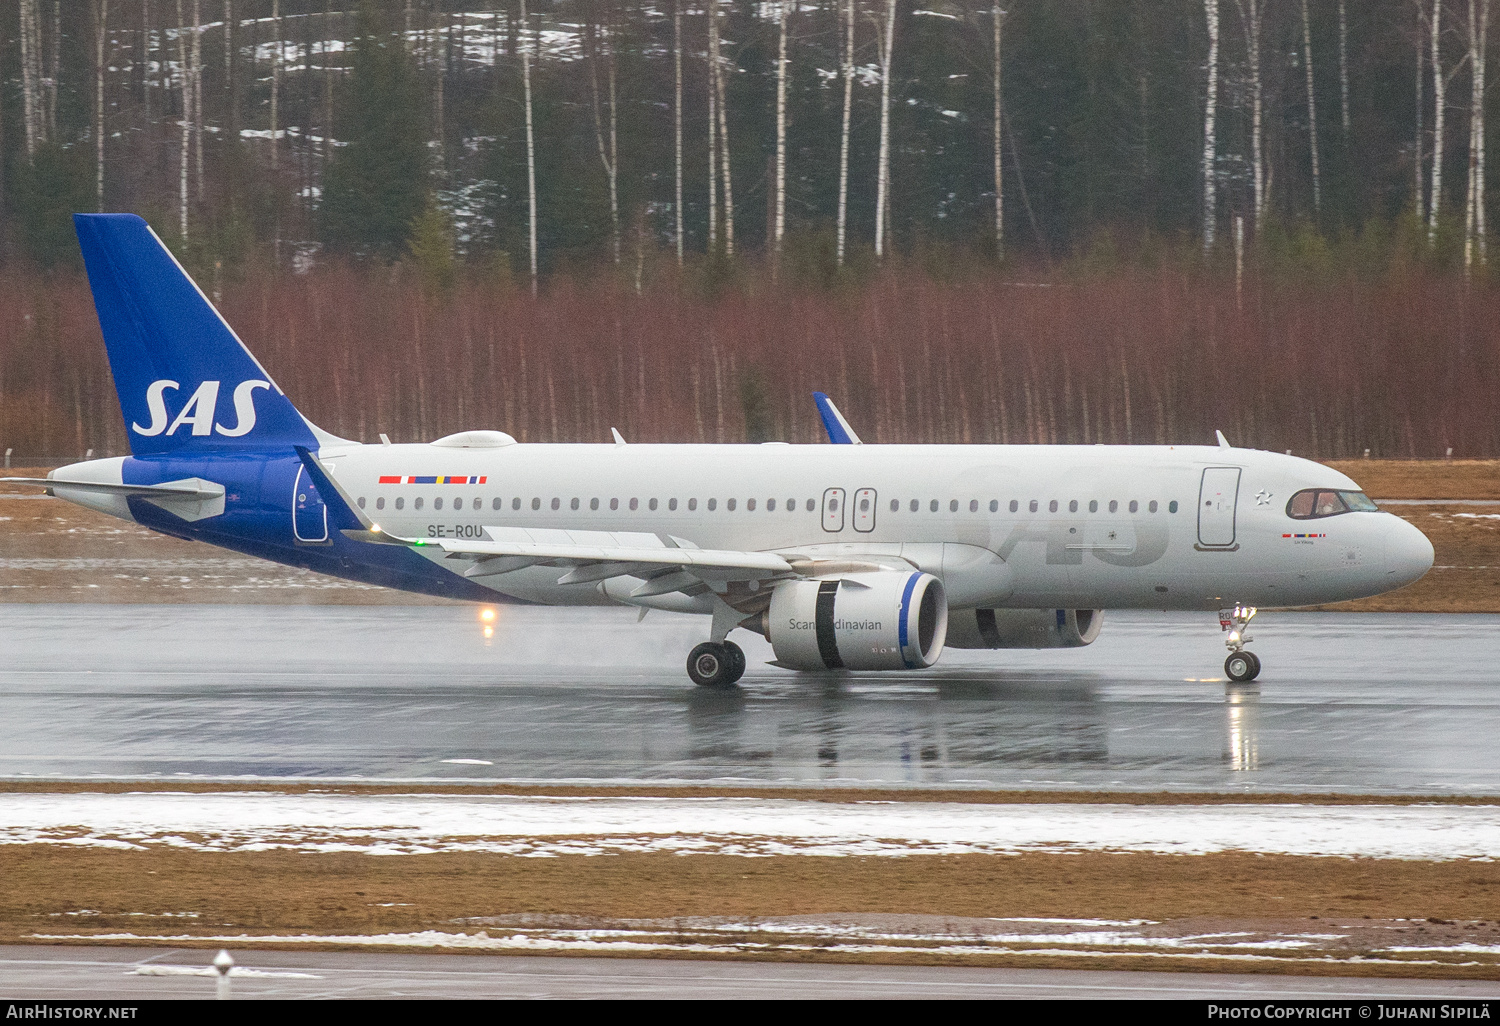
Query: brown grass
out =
(1424, 479)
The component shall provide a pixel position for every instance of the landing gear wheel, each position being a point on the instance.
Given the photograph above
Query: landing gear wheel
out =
(1242, 667)
(736, 662)
(714, 665)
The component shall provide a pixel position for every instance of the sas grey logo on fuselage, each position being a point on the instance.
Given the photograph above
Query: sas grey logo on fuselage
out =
(201, 408)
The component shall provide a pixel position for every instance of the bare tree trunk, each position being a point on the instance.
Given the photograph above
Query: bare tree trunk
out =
(609, 157)
(1439, 98)
(1210, 127)
(52, 74)
(327, 148)
(1251, 12)
(713, 126)
(228, 42)
(1312, 109)
(844, 131)
(275, 75)
(197, 78)
(440, 60)
(530, 145)
(101, 25)
(1419, 194)
(1479, 17)
(1344, 65)
(145, 60)
(781, 70)
(186, 82)
(677, 116)
(723, 92)
(883, 174)
(30, 80)
(999, 17)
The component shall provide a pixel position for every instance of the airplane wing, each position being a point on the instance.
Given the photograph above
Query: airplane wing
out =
(588, 556)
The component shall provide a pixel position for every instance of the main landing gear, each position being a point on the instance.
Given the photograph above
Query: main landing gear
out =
(1241, 666)
(716, 664)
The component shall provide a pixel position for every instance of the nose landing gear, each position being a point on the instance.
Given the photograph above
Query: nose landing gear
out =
(716, 664)
(1241, 666)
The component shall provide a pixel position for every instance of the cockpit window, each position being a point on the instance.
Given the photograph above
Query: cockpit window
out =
(1322, 502)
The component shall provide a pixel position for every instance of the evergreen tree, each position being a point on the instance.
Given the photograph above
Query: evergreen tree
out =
(376, 185)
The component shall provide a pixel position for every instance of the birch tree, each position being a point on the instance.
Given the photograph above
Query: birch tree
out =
(186, 84)
(1439, 99)
(781, 72)
(1312, 108)
(883, 174)
(1474, 235)
(530, 144)
(275, 73)
(609, 157)
(196, 74)
(1210, 131)
(1344, 65)
(101, 22)
(30, 75)
(999, 16)
(728, 180)
(1419, 195)
(677, 116)
(713, 127)
(848, 12)
(1251, 19)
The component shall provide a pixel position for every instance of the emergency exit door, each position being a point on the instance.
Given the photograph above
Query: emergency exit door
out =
(1216, 501)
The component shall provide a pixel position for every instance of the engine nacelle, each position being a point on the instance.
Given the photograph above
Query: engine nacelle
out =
(882, 620)
(1023, 628)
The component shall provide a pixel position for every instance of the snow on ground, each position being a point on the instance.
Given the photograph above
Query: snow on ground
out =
(546, 826)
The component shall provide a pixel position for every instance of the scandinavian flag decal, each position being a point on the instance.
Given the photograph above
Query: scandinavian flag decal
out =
(432, 479)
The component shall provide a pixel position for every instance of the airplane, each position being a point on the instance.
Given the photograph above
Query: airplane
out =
(853, 556)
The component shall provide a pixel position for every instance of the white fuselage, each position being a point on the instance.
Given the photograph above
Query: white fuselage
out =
(1005, 526)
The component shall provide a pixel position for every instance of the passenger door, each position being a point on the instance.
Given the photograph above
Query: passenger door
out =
(1216, 501)
(309, 515)
(864, 510)
(833, 509)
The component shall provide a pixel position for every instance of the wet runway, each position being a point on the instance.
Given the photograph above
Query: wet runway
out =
(1362, 703)
(77, 973)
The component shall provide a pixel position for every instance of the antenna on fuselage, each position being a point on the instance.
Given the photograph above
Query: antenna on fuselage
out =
(1223, 442)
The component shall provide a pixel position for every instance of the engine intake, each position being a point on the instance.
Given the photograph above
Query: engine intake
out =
(884, 620)
(1023, 628)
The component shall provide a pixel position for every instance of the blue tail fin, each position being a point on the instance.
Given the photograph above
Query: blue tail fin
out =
(186, 381)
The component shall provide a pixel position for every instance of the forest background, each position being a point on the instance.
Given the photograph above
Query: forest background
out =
(1056, 221)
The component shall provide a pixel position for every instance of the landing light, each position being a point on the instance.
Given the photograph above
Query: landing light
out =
(1234, 636)
(487, 615)
(374, 528)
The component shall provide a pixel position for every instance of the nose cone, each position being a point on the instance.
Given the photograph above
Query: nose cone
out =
(1408, 553)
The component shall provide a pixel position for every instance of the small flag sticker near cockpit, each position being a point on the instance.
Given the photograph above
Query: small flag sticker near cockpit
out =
(433, 479)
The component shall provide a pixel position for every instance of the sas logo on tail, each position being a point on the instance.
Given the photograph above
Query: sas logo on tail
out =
(200, 410)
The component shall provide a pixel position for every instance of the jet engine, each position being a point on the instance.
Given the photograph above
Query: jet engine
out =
(881, 620)
(1023, 628)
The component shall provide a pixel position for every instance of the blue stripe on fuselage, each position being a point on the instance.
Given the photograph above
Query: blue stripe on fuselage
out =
(257, 520)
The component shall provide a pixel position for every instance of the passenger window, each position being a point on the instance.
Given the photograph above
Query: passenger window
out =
(731, 503)
(810, 505)
(593, 504)
(437, 503)
(933, 505)
(380, 503)
(556, 503)
(672, 505)
(635, 504)
(1093, 505)
(1172, 506)
(458, 504)
(692, 504)
(400, 503)
(994, 505)
(574, 503)
(1072, 505)
(1033, 505)
(496, 504)
(536, 503)
(1052, 506)
(1152, 507)
(1014, 505)
(749, 505)
(895, 505)
(651, 505)
(713, 504)
(791, 505)
(1134, 506)
(915, 505)
(973, 505)
(770, 505)
(361, 502)
(614, 503)
(953, 506)
(1114, 505)
(417, 504)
